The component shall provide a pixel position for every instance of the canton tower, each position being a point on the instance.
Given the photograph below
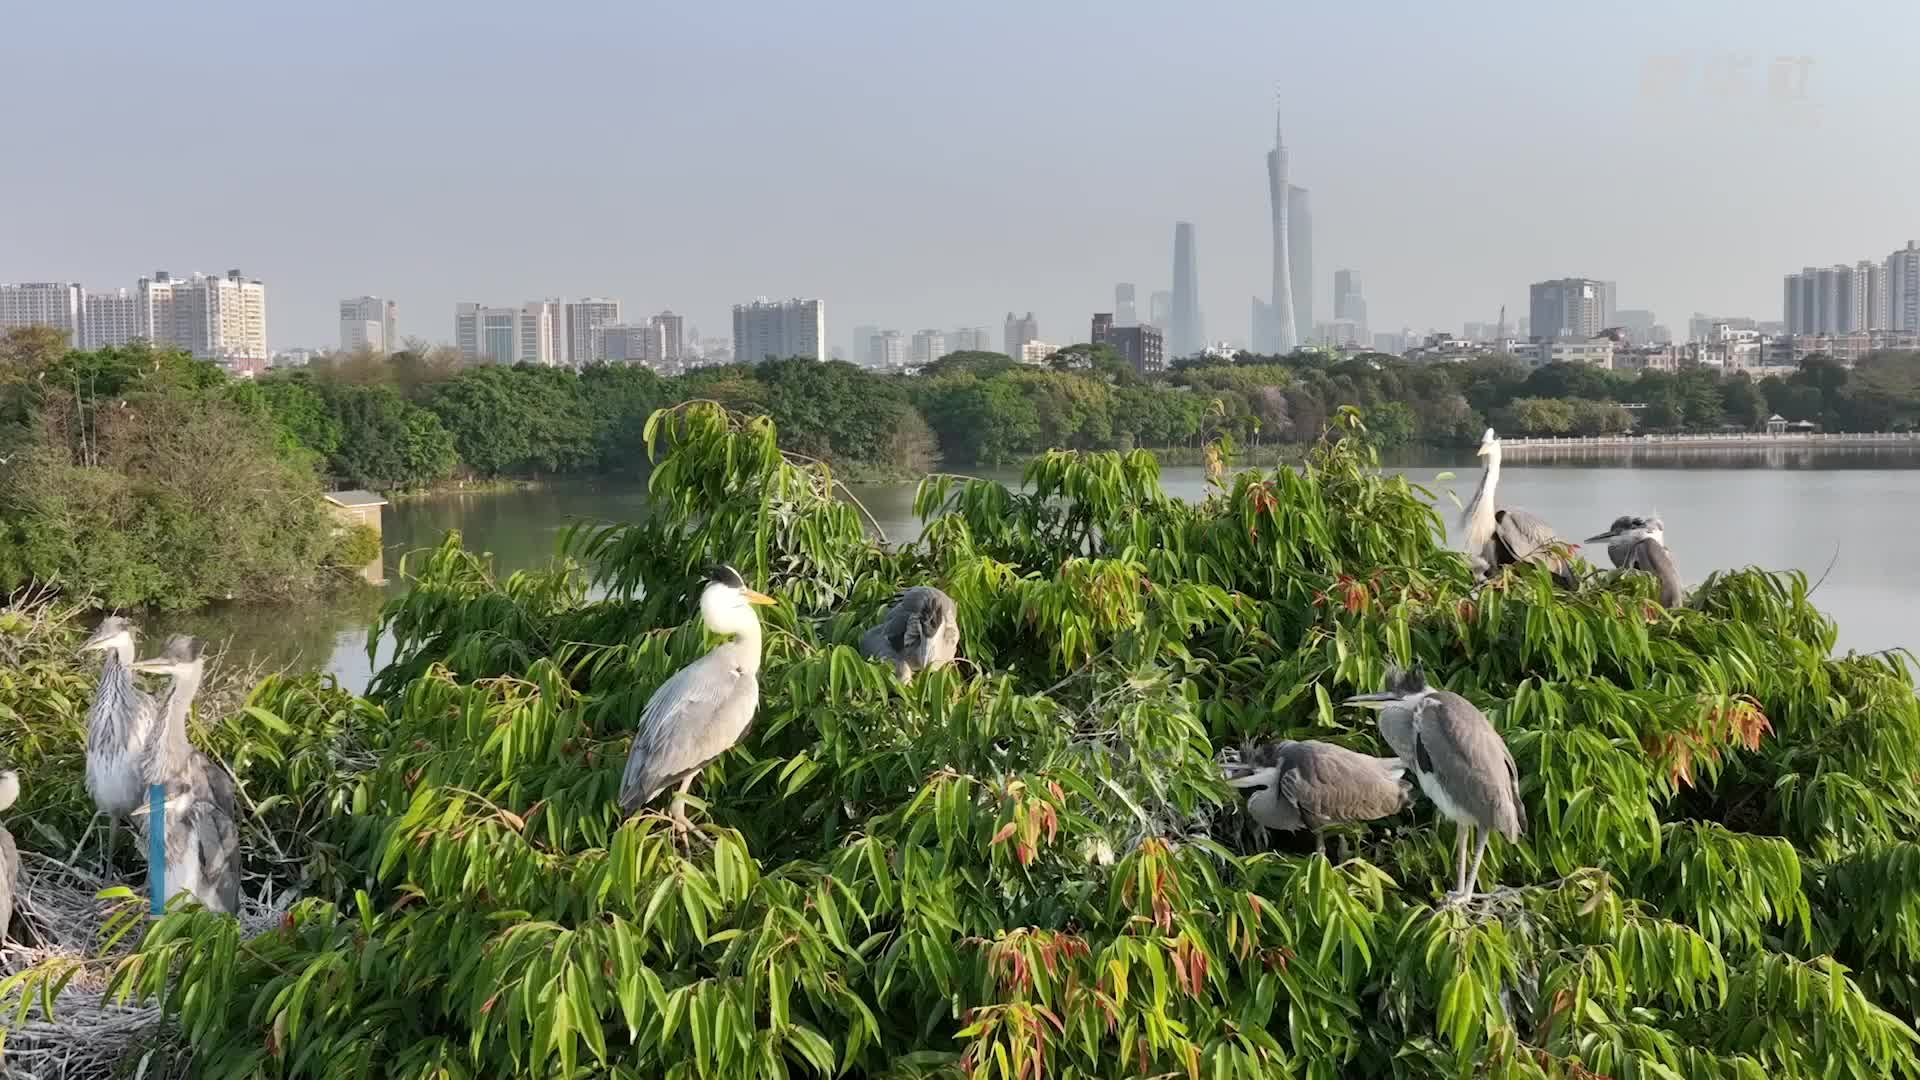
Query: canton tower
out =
(1286, 334)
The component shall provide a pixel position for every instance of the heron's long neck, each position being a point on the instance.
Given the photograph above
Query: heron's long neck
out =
(1478, 520)
(116, 699)
(174, 745)
(746, 645)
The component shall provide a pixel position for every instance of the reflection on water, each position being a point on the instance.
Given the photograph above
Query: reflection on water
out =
(1781, 508)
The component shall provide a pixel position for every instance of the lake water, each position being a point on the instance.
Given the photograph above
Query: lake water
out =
(1800, 509)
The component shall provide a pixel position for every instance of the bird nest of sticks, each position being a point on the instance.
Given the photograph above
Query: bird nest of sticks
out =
(83, 1032)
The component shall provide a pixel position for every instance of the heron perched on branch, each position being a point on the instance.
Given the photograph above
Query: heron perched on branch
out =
(921, 631)
(1459, 759)
(706, 707)
(1639, 542)
(1311, 785)
(1507, 535)
(9, 855)
(120, 728)
(202, 841)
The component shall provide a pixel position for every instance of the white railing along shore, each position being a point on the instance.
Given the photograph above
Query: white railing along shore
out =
(1731, 440)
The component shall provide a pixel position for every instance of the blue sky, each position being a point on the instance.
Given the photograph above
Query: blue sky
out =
(919, 165)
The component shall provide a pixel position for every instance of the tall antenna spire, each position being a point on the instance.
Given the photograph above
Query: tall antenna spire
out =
(1278, 139)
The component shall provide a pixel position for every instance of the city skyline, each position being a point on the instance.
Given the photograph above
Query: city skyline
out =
(1415, 172)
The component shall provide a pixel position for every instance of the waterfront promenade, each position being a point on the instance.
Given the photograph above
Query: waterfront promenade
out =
(1733, 441)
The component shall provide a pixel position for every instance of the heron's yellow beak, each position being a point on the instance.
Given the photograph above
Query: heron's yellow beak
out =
(1482, 452)
(757, 597)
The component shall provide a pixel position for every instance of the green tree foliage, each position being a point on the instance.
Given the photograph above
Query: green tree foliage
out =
(143, 477)
(1026, 865)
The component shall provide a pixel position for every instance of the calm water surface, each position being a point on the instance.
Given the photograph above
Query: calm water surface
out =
(1854, 510)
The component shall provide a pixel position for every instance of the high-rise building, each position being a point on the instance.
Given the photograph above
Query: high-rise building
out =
(780, 329)
(505, 335)
(861, 346)
(109, 318)
(627, 343)
(1903, 289)
(1124, 311)
(1871, 280)
(887, 349)
(1284, 336)
(970, 339)
(1300, 255)
(584, 318)
(1185, 334)
(1140, 344)
(1636, 323)
(223, 319)
(1607, 308)
(368, 322)
(44, 303)
(670, 336)
(1565, 308)
(1348, 304)
(1160, 309)
(928, 346)
(1019, 331)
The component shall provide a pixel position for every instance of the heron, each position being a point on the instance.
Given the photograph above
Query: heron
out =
(1311, 785)
(921, 631)
(1461, 762)
(9, 855)
(1639, 542)
(1507, 535)
(120, 727)
(706, 707)
(202, 842)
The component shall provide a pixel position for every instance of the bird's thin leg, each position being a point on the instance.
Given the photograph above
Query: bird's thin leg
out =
(1473, 876)
(1460, 863)
(678, 811)
(1320, 843)
(74, 859)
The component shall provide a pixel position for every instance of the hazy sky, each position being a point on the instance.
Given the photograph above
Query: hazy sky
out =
(920, 165)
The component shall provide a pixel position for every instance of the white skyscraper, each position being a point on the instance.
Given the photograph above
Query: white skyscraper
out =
(221, 318)
(109, 319)
(1019, 330)
(368, 322)
(584, 319)
(1285, 321)
(43, 303)
(779, 329)
(670, 334)
(1903, 289)
(537, 334)
(888, 350)
(928, 346)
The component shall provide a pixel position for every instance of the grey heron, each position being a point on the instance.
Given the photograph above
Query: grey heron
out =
(1506, 535)
(202, 841)
(120, 728)
(706, 707)
(921, 631)
(9, 855)
(1639, 542)
(1311, 785)
(1459, 759)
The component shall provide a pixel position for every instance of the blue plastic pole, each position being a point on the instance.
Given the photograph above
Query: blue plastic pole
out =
(157, 847)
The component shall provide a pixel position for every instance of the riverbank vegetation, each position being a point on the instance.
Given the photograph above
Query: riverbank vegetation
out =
(136, 477)
(1027, 865)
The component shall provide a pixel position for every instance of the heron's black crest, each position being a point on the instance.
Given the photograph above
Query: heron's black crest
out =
(726, 575)
(1407, 682)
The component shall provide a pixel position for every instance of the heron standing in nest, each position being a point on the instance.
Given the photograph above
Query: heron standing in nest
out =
(1461, 762)
(202, 840)
(706, 707)
(1500, 536)
(1639, 542)
(120, 728)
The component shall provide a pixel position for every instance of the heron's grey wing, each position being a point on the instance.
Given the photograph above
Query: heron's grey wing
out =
(1652, 556)
(1525, 535)
(1459, 750)
(1332, 783)
(218, 837)
(9, 879)
(886, 640)
(678, 731)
